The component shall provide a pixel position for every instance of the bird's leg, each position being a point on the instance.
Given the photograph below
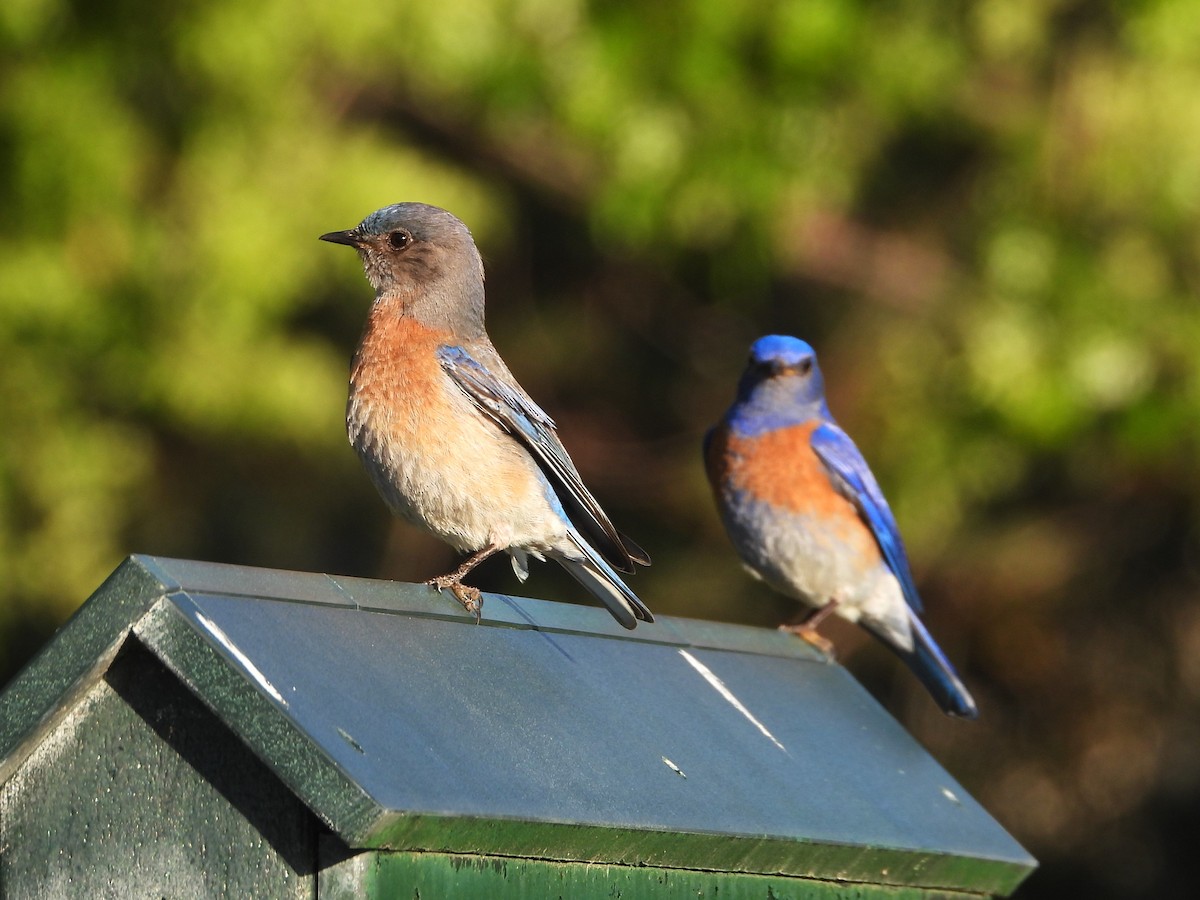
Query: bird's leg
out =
(468, 596)
(806, 627)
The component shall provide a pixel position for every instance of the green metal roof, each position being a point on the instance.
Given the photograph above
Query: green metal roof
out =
(544, 732)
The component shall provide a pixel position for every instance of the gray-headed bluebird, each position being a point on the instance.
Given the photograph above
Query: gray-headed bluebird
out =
(449, 438)
(808, 518)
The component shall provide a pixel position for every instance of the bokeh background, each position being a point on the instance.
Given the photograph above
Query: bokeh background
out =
(984, 216)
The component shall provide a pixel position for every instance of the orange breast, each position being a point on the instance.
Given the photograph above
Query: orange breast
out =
(781, 468)
(395, 371)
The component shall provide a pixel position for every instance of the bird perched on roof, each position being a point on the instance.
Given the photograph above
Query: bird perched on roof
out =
(451, 441)
(807, 516)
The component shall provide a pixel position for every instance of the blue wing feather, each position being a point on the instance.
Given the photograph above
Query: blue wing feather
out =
(853, 479)
(517, 414)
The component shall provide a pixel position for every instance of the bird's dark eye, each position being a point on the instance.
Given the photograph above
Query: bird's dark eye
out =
(399, 239)
(804, 367)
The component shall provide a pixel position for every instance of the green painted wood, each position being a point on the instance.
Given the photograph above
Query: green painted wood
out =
(302, 764)
(50, 685)
(860, 863)
(77, 657)
(141, 792)
(439, 876)
(544, 732)
(430, 742)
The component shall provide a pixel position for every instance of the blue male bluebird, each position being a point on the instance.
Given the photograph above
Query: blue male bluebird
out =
(451, 441)
(807, 516)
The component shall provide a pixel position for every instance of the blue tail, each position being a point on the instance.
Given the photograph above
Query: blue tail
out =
(932, 668)
(604, 584)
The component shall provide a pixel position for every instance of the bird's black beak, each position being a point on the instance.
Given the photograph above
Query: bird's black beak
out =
(349, 238)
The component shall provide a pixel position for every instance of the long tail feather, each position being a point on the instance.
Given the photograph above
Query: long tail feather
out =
(606, 586)
(931, 667)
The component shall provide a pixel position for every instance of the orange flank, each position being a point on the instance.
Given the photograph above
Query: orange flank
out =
(781, 468)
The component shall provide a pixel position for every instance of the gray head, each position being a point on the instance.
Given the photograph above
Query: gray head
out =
(782, 383)
(423, 258)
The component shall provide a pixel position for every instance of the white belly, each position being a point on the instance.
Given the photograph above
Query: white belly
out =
(798, 558)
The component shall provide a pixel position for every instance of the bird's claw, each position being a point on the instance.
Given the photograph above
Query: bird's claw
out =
(470, 597)
(809, 634)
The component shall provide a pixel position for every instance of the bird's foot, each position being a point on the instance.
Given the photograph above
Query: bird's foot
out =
(807, 633)
(470, 597)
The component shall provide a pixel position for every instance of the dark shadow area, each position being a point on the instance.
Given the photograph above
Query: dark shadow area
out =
(217, 756)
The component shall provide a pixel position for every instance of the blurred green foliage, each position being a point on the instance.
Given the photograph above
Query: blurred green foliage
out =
(984, 215)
